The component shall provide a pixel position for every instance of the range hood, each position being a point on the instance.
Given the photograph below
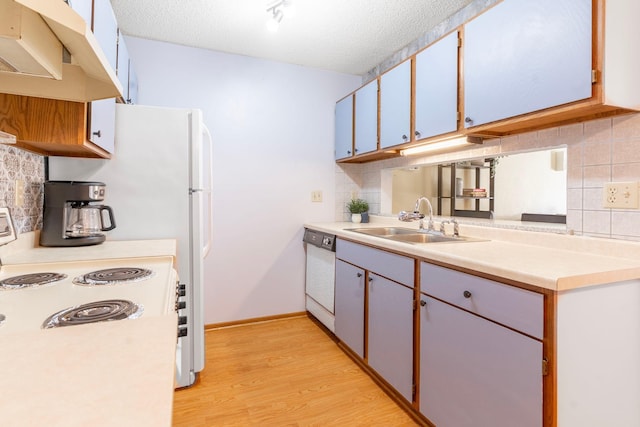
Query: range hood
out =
(48, 51)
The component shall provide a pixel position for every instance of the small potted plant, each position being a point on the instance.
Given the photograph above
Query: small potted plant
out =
(359, 209)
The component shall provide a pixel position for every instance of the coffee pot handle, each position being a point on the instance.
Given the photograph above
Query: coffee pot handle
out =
(112, 220)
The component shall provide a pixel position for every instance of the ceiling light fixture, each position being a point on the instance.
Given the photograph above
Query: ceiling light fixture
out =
(441, 145)
(276, 11)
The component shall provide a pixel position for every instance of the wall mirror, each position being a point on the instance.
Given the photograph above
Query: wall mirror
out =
(529, 186)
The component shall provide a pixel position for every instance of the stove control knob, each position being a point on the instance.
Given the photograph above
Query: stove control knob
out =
(181, 305)
(182, 320)
(182, 332)
(182, 292)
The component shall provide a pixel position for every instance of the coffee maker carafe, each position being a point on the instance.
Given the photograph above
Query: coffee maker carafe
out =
(70, 218)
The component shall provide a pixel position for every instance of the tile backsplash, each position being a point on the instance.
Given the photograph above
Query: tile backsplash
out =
(19, 165)
(598, 151)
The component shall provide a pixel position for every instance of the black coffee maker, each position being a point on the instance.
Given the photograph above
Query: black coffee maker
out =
(70, 218)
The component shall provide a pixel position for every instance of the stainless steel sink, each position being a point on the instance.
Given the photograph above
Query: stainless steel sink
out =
(384, 231)
(424, 238)
(433, 238)
(410, 235)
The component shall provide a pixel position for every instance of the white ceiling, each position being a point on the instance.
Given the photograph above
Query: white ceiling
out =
(348, 36)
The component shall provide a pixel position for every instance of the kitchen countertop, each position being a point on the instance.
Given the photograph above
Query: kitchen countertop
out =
(546, 260)
(104, 374)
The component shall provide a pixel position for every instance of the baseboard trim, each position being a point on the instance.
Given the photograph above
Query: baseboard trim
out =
(243, 322)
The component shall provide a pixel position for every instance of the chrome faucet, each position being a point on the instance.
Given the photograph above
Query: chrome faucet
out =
(412, 216)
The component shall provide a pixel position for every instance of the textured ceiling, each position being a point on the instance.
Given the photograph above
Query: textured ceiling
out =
(348, 36)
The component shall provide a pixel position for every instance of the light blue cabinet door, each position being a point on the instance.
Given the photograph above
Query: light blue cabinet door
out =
(522, 56)
(395, 105)
(105, 28)
(474, 372)
(102, 123)
(390, 333)
(84, 8)
(344, 128)
(437, 88)
(349, 306)
(366, 132)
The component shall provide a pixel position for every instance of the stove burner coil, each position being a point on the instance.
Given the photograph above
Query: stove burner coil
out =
(112, 276)
(97, 311)
(29, 280)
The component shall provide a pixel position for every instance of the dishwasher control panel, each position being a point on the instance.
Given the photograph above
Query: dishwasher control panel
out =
(320, 239)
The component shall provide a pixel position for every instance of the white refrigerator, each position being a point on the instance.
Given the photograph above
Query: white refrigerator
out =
(158, 183)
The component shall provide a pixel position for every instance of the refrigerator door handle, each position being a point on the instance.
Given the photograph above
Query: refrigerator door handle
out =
(207, 140)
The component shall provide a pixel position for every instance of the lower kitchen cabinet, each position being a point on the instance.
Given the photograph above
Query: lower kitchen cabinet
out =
(349, 306)
(474, 372)
(383, 337)
(481, 351)
(390, 333)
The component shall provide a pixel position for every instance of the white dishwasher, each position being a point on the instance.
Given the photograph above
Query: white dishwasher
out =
(320, 276)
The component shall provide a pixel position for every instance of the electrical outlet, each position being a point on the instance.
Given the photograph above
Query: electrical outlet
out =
(316, 196)
(620, 195)
(19, 192)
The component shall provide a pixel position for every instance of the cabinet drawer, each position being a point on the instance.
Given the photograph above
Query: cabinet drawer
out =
(514, 307)
(395, 267)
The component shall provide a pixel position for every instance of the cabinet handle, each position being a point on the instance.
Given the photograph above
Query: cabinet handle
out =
(417, 134)
(355, 150)
(468, 120)
(405, 137)
(349, 152)
(98, 134)
(466, 294)
(423, 302)
(359, 274)
(370, 279)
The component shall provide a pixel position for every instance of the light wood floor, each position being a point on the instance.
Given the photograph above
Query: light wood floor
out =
(282, 373)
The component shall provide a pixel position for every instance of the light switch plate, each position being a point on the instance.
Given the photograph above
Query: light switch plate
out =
(620, 195)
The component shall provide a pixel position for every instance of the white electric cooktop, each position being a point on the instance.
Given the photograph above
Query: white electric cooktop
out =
(25, 309)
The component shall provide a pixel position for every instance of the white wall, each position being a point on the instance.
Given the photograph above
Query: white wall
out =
(272, 125)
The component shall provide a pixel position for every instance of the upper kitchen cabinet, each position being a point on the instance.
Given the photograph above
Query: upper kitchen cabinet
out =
(48, 126)
(102, 113)
(56, 42)
(57, 125)
(344, 128)
(530, 65)
(366, 118)
(436, 88)
(105, 28)
(395, 106)
(523, 56)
